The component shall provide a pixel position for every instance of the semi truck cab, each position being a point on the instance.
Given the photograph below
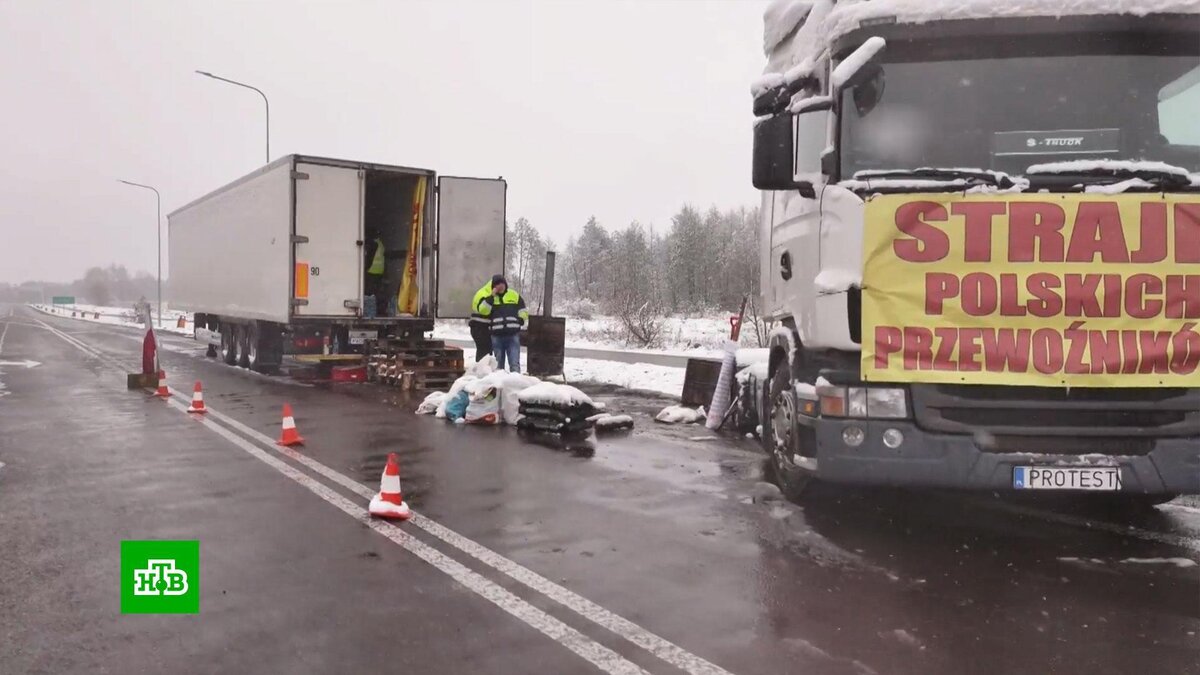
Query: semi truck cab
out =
(961, 222)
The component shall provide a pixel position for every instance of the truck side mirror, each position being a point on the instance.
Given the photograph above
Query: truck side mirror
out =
(774, 153)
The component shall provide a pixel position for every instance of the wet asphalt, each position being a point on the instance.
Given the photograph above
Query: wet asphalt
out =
(670, 528)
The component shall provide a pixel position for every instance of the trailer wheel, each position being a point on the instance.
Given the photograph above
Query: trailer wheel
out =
(244, 340)
(783, 437)
(229, 351)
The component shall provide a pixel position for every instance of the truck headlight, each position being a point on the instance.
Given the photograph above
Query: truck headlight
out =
(862, 402)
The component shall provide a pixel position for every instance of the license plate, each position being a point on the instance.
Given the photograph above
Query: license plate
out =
(358, 337)
(1067, 477)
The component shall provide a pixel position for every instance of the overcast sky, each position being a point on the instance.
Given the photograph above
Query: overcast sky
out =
(624, 110)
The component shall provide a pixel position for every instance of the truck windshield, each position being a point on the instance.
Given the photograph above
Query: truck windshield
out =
(1006, 114)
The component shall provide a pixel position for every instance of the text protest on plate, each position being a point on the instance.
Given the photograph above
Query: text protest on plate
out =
(1079, 289)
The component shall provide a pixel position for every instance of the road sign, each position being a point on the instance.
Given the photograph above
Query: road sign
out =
(62, 300)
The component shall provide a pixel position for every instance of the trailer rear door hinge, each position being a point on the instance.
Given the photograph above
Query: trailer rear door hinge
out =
(350, 304)
(299, 175)
(299, 302)
(299, 239)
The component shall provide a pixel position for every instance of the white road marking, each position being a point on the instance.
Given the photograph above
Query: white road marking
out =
(597, 654)
(594, 652)
(634, 633)
(3, 334)
(660, 647)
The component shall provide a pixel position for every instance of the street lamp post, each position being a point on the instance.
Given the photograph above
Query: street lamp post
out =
(260, 93)
(158, 230)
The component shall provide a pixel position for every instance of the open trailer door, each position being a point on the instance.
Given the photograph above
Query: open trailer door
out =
(470, 240)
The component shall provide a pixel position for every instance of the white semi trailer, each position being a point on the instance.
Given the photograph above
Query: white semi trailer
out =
(274, 261)
(981, 242)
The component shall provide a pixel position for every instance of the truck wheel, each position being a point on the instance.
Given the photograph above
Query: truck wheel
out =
(229, 351)
(779, 436)
(265, 348)
(244, 340)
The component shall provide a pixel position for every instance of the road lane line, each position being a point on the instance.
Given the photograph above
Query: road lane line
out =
(632, 632)
(656, 645)
(3, 333)
(597, 654)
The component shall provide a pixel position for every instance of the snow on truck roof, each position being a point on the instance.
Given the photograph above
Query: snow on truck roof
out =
(797, 32)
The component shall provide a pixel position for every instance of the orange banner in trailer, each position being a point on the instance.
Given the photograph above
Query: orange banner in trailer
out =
(1081, 290)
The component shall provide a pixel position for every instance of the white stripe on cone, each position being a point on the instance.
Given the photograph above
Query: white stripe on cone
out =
(390, 484)
(289, 423)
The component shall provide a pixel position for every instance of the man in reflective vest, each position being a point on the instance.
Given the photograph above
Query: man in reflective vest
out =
(481, 326)
(375, 256)
(505, 309)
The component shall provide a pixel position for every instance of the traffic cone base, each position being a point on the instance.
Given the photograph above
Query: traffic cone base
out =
(384, 509)
(197, 405)
(162, 392)
(389, 503)
(289, 436)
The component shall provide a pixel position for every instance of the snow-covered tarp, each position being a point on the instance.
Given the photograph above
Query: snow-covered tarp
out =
(549, 393)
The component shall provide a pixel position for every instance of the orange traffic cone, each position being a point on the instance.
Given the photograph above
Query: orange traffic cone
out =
(197, 405)
(289, 436)
(389, 503)
(162, 392)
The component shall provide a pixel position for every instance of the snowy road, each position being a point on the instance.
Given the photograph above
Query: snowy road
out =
(651, 552)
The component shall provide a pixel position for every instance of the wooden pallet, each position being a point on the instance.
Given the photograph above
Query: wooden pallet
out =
(415, 364)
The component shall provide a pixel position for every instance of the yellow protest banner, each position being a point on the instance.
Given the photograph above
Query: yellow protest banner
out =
(408, 296)
(1080, 290)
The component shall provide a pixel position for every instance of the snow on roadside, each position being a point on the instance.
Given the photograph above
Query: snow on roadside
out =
(116, 316)
(700, 337)
(1177, 562)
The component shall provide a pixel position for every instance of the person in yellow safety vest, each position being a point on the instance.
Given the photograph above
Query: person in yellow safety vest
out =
(375, 257)
(481, 326)
(505, 309)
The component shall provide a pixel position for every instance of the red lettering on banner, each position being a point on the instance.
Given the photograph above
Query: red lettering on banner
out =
(1009, 294)
(1048, 302)
(1153, 235)
(1076, 339)
(945, 354)
(928, 243)
(968, 349)
(1006, 349)
(888, 341)
(1154, 352)
(1129, 351)
(1047, 351)
(1079, 295)
(1098, 230)
(918, 348)
(979, 294)
(1136, 289)
(1035, 232)
(1187, 233)
(938, 287)
(1183, 296)
(1112, 295)
(977, 228)
(1105, 349)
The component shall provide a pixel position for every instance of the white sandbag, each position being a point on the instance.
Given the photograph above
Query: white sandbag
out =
(677, 414)
(431, 403)
(459, 385)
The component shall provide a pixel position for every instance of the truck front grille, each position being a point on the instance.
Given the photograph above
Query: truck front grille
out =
(1045, 411)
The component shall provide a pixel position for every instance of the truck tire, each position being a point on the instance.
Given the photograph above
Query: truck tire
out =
(229, 350)
(265, 352)
(780, 434)
(243, 341)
